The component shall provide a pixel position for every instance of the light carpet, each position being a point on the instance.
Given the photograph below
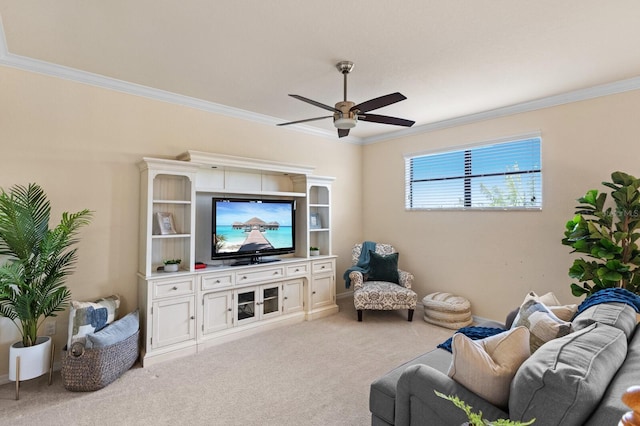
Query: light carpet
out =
(311, 373)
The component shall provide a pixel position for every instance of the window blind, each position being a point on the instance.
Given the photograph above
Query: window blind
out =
(505, 175)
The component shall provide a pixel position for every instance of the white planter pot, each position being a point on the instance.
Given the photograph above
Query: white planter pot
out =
(314, 252)
(171, 267)
(34, 360)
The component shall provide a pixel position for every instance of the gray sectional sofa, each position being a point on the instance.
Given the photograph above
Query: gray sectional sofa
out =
(577, 379)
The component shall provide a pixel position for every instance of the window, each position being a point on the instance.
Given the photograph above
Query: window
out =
(498, 175)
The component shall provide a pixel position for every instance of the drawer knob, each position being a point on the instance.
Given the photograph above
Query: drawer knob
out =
(217, 281)
(313, 292)
(192, 317)
(322, 267)
(174, 288)
(285, 298)
(229, 309)
(244, 277)
(297, 270)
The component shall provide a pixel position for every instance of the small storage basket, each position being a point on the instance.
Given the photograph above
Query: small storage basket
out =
(93, 369)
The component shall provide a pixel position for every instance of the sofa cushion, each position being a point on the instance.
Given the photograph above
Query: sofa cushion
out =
(89, 317)
(487, 366)
(114, 333)
(382, 395)
(543, 325)
(618, 315)
(383, 268)
(611, 408)
(564, 380)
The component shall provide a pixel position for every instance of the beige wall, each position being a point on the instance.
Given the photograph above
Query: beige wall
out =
(494, 258)
(82, 144)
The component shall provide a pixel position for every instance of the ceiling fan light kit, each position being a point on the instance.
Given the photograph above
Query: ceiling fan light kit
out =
(344, 123)
(346, 113)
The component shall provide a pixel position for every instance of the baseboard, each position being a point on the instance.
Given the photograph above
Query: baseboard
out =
(477, 320)
(345, 295)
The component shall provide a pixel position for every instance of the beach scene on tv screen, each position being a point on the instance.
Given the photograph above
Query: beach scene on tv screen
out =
(251, 227)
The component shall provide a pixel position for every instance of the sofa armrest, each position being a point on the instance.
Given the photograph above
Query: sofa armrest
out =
(417, 403)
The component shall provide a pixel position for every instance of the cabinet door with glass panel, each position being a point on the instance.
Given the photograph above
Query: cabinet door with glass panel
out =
(257, 303)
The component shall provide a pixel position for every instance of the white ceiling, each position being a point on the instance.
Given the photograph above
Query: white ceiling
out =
(450, 58)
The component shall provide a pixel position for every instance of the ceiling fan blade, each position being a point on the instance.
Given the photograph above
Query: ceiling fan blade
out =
(380, 102)
(305, 120)
(384, 119)
(312, 102)
(343, 132)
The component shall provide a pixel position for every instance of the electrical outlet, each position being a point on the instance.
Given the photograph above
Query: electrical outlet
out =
(50, 328)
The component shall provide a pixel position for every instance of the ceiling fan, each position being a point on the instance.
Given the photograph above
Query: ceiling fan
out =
(346, 113)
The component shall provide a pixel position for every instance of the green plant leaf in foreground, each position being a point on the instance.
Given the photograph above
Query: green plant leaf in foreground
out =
(475, 419)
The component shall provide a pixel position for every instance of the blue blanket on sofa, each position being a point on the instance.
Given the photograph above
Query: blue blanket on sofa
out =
(474, 333)
(611, 295)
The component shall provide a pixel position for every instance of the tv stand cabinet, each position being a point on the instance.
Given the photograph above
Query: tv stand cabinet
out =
(187, 311)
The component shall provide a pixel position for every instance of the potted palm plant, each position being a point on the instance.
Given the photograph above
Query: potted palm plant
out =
(37, 261)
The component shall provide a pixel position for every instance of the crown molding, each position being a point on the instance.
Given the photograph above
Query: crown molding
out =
(34, 65)
(547, 102)
(54, 70)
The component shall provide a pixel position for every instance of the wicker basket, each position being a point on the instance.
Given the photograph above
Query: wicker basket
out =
(93, 369)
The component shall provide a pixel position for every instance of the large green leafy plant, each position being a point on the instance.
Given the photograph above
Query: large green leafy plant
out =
(606, 233)
(37, 259)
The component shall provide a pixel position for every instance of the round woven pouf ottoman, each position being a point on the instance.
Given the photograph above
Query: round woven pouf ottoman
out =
(447, 310)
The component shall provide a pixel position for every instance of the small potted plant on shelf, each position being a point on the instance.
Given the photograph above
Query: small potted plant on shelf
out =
(172, 265)
(314, 251)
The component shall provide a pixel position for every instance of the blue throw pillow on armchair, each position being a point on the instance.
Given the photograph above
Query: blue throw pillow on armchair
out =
(383, 268)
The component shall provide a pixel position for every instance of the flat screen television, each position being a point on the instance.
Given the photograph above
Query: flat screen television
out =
(248, 229)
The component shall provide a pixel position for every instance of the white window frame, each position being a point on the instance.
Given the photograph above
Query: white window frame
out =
(468, 178)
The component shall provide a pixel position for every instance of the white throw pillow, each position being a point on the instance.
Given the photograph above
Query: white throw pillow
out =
(564, 312)
(487, 366)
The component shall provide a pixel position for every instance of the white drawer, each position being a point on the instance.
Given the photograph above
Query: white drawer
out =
(320, 266)
(174, 287)
(207, 282)
(246, 277)
(297, 270)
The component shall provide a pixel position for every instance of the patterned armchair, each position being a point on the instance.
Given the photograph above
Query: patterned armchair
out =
(382, 295)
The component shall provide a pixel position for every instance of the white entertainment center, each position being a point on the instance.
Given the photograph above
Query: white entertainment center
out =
(186, 311)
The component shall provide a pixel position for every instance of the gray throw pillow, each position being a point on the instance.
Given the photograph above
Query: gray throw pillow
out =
(563, 381)
(114, 333)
